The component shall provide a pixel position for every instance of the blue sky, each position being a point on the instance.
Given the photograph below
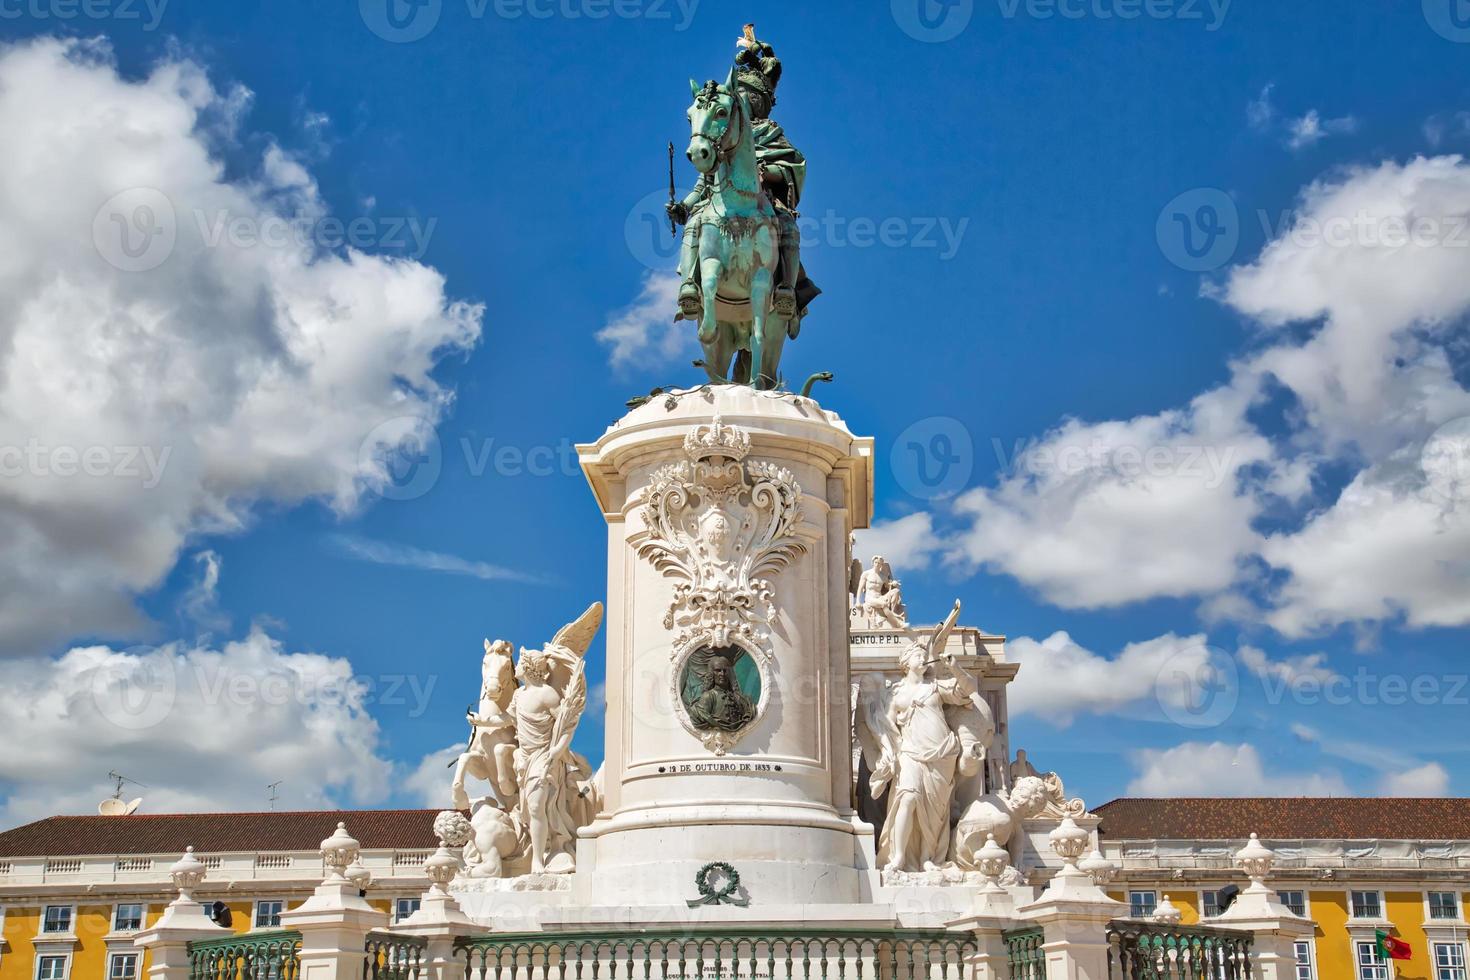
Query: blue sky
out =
(1064, 227)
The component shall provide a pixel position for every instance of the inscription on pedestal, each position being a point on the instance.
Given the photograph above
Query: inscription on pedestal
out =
(753, 767)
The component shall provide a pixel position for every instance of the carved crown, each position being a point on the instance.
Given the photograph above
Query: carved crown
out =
(717, 439)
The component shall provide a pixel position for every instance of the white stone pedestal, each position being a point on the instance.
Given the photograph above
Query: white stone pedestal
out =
(776, 801)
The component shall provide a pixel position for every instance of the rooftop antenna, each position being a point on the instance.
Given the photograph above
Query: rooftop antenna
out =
(274, 795)
(114, 806)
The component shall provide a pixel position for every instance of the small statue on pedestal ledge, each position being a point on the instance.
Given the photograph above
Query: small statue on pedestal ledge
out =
(877, 595)
(520, 743)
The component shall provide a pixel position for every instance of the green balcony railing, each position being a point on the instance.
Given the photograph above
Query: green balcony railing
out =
(1024, 955)
(1151, 951)
(746, 954)
(249, 956)
(389, 956)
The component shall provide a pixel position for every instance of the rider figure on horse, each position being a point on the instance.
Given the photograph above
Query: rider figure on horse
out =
(782, 174)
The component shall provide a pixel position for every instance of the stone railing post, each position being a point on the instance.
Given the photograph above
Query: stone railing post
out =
(439, 919)
(1074, 912)
(335, 920)
(994, 912)
(1277, 929)
(167, 940)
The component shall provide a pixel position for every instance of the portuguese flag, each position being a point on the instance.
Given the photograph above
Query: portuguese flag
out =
(1390, 948)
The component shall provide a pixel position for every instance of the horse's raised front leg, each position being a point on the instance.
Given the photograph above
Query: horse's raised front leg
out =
(710, 269)
(760, 295)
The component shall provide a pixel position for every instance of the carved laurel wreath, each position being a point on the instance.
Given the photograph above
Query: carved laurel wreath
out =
(717, 883)
(721, 527)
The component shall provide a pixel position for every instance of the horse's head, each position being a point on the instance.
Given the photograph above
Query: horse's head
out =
(717, 122)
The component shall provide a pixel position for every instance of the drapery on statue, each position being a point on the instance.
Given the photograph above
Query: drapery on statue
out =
(740, 262)
(521, 743)
(915, 751)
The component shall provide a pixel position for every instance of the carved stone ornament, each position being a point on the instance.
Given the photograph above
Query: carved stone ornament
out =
(722, 527)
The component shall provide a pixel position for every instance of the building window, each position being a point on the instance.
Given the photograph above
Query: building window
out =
(1443, 905)
(128, 918)
(1209, 904)
(404, 907)
(268, 914)
(123, 966)
(1296, 902)
(1305, 968)
(1141, 904)
(1370, 966)
(1367, 905)
(58, 919)
(1449, 961)
(51, 968)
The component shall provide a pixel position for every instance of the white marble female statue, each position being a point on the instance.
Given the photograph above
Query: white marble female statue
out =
(912, 751)
(548, 774)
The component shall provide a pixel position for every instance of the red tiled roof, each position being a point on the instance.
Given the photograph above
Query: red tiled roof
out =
(170, 833)
(1286, 818)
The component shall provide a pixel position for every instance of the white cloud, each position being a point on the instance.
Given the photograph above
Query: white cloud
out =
(1101, 514)
(218, 376)
(1259, 112)
(1377, 256)
(645, 329)
(908, 543)
(429, 783)
(1311, 129)
(1060, 679)
(407, 556)
(1293, 670)
(1221, 769)
(203, 728)
(1430, 779)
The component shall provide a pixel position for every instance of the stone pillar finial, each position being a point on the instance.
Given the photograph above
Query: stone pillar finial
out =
(1099, 868)
(358, 874)
(1256, 860)
(188, 872)
(338, 852)
(991, 861)
(453, 831)
(1069, 842)
(1166, 913)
